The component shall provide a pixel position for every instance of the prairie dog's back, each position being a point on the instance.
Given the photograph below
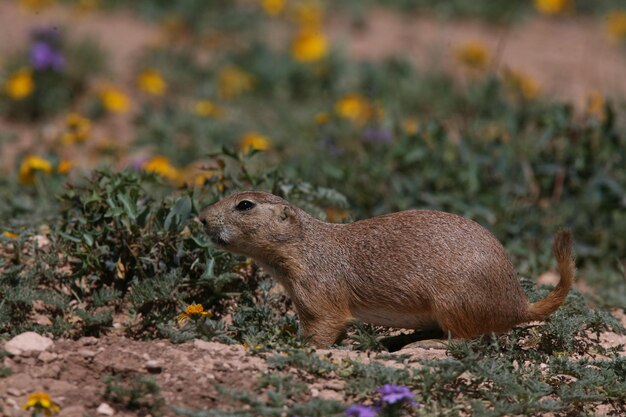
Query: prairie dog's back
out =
(422, 260)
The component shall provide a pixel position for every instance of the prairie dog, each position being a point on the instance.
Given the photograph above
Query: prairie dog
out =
(415, 269)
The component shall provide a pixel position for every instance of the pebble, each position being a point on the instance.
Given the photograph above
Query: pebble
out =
(153, 367)
(88, 341)
(87, 354)
(336, 385)
(28, 342)
(46, 356)
(105, 410)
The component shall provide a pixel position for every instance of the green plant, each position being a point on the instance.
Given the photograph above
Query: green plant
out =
(139, 394)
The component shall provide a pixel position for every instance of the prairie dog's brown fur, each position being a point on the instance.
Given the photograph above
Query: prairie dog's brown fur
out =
(416, 269)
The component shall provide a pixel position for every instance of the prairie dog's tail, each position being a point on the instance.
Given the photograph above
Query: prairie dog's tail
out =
(562, 249)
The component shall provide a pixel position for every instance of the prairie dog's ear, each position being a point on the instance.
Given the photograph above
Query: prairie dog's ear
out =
(287, 213)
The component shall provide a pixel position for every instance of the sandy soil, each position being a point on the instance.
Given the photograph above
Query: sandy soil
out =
(73, 372)
(569, 57)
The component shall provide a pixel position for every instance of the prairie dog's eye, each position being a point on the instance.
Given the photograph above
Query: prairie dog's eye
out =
(244, 205)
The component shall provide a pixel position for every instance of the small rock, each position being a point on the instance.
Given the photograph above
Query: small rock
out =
(47, 357)
(327, 394)
(153, 367)
(336, 385)
(88, 341)
(43, 320)
(11, 403)
(14, 392)
(315, 392)
(26, 342)
(105, 410)
(87, 354)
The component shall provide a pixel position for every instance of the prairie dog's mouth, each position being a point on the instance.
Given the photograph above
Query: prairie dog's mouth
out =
(218, 240)
(216, 237)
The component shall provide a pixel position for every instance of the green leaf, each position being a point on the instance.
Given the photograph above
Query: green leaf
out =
(88, 238)
(69, 237)
(130, 207)
(178, 215)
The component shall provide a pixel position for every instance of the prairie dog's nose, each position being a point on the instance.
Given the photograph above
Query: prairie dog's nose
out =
(207, 218)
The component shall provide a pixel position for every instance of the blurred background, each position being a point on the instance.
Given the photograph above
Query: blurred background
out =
(507, 112)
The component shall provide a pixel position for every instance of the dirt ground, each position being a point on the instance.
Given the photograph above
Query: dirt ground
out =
(73, 372)
(569, 58)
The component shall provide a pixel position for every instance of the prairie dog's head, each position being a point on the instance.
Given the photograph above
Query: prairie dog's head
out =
(250, 222)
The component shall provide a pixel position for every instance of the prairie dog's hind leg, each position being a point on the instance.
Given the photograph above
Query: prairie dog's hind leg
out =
(324, 332)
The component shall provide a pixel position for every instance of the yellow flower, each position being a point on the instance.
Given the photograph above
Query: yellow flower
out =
(65, 166)
(309, 14)
(322, 118)
(206, 108)
(161, 166)
(309, 45)
(616, 24)
(595, 105)
(246, 346)
(193, 311)
(77, 129)
(199, 174)
(20, 85)
(41, 402)
(199, 179)
(410, 126)
(233, 82)
(273, 7)
(552, 7)
(35, 5)
(254, 141)
(473, 54)
(30, 165)
(355, 108)
(151, 82)
(114, 100)
(10, 235)
(522, 83)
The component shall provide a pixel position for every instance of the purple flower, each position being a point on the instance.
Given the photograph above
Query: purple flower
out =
(138, 163)
(361, 411)
(43, 56)
(377, 135)
(395, 393)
